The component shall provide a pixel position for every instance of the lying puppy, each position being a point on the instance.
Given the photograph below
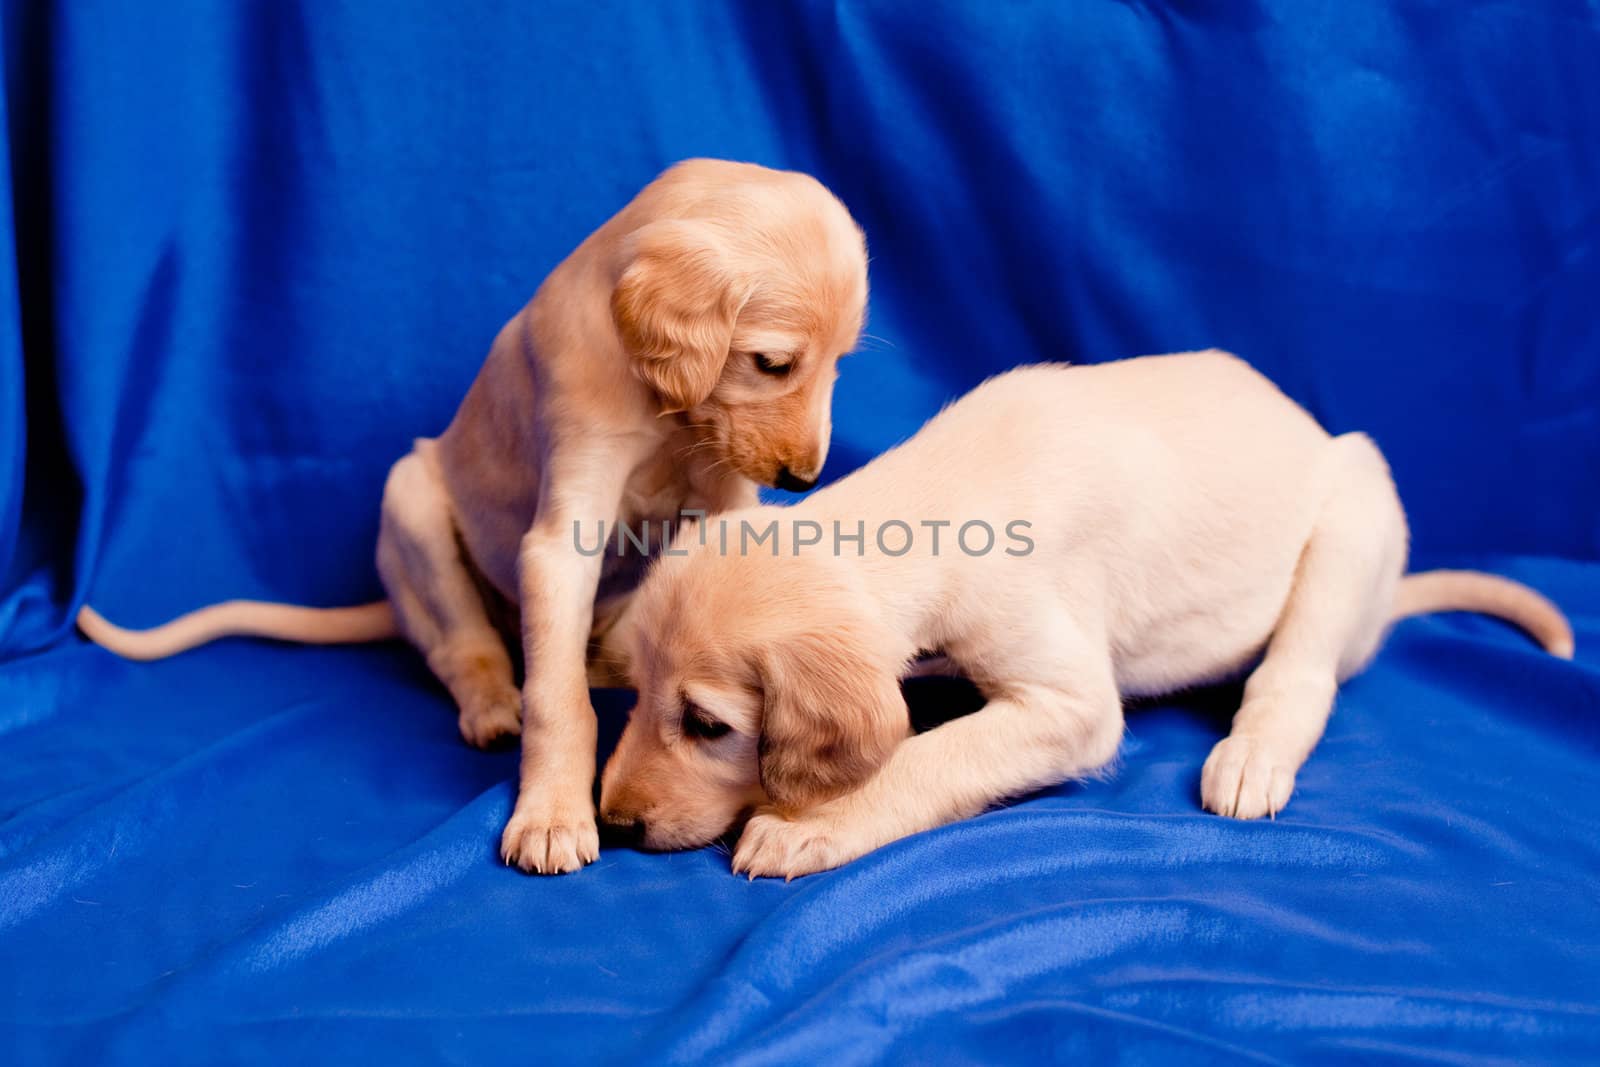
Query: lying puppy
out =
(1154, 524)
(684, 352)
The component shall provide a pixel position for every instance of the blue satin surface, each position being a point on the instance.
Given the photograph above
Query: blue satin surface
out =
(259, 247)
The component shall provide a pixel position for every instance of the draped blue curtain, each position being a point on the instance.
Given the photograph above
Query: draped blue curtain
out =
(257, 247)
(261, 246)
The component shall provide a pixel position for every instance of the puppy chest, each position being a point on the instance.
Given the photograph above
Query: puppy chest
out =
(668, 482)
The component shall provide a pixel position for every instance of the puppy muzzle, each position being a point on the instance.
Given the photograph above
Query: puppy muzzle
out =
(788, 480)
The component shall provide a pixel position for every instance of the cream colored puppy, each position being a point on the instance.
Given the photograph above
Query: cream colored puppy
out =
(1155, 524)
(683, 353)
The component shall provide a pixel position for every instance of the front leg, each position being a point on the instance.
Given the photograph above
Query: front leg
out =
(552, 829)
(1031, 737)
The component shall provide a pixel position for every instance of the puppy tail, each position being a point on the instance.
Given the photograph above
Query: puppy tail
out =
(243, 618)
(1487, 594)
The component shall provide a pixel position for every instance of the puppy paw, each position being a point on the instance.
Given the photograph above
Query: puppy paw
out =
(549, 839)
(495, 721)
(1245, 778)
(773, 846)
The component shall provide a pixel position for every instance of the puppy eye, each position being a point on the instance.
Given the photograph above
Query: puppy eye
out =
(697, 724)
(769, 365)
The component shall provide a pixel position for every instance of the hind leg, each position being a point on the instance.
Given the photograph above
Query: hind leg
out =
(437, 603)
(1332, 623)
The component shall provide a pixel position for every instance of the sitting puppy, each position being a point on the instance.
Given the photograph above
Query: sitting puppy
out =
(1153, 525)
(683, 353)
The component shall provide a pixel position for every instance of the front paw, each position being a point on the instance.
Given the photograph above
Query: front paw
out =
(1245, 778)
(549, 838)
(493, 720)
(773, 846)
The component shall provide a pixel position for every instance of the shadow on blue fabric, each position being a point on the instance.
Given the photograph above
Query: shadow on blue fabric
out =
(259, 247)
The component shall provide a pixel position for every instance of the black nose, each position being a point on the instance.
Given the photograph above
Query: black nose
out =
(787, 480)
(622, 832)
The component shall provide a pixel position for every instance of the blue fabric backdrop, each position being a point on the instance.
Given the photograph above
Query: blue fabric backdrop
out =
(260, 246)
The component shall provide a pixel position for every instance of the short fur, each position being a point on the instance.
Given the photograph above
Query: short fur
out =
(630, 387)
(1190, 524)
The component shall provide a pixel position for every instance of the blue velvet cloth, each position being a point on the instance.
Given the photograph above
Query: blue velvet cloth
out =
(258, 247)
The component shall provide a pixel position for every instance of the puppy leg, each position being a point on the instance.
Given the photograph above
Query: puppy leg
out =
(552, 828)
(1331, 625)
(438, 606)
(608, 644)
(1029, 736)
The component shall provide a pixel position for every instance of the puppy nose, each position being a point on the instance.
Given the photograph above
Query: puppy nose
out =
(622, 831)
(787, 480)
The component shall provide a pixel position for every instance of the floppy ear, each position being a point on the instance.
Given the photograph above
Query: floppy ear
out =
(833, 714)
(674, 308)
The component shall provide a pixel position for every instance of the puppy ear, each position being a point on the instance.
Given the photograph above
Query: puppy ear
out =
(674, 308)
(833, 714)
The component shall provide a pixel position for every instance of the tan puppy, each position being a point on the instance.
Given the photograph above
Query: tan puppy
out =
(683, 353)
(1156, 524)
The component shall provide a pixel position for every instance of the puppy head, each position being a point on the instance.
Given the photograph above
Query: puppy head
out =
(764, 683)
(736, 300)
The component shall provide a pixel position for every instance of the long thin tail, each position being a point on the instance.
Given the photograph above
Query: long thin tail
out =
(1488, 594)
(243, 618)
